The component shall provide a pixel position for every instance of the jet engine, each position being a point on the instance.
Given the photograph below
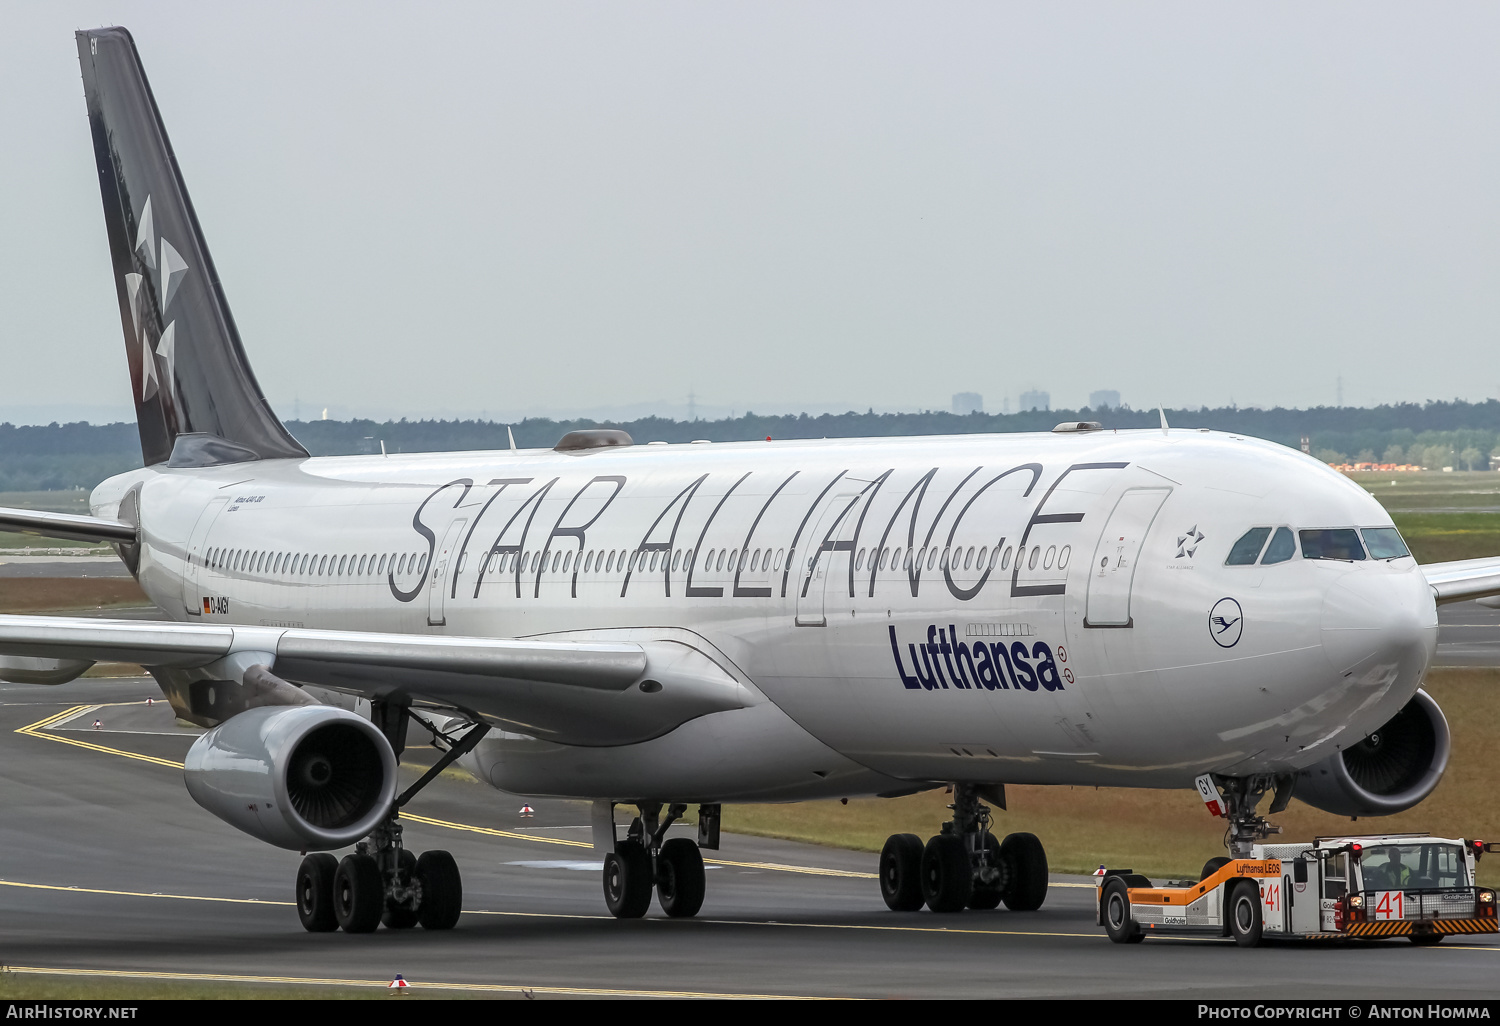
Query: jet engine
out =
(308, 778)
(1389, 771)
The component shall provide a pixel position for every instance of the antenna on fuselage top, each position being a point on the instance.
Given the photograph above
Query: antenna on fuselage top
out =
(512, 436)
(1162, 410)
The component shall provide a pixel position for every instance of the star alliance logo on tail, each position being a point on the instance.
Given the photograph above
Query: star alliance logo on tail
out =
(171, 268)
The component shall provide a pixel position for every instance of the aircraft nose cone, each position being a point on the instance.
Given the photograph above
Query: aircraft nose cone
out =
(1379, 622)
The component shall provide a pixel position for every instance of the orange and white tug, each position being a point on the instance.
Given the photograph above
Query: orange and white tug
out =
(1373, 886)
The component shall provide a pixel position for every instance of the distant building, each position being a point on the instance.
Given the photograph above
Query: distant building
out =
(965, 403)
(1104, 397)
(1035, 400)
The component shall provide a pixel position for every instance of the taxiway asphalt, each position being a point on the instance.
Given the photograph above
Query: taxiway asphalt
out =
(108, 866)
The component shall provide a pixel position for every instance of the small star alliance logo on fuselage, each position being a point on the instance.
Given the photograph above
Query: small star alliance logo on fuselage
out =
(1187, 544)
(1226, 621)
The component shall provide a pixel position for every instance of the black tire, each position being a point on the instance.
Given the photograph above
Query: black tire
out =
(679, 878)
(947, 877)
(315, 893)
(985, 896)
(1426, 939)
(399, 917)
(1245, 924)
(1213, 865)
(358, 894)
(1028, 872)
(1114, 910)
(442, 890)
(901, 872)
(627, 880)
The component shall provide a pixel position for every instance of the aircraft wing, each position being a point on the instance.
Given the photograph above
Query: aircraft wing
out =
(582, 693)
(69, 526)
(1464, 579)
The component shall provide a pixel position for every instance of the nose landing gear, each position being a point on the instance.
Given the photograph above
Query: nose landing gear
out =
(965, 866)
(1241, 795)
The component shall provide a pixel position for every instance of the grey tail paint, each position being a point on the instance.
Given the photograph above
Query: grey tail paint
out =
(196, 400)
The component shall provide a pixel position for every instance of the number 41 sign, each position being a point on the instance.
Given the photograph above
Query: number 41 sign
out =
(1390, 905)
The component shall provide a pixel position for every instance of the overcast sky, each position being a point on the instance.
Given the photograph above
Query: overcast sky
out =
(447, 210)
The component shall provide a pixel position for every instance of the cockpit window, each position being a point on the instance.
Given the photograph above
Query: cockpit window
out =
(1248, 547)
(1282, 548)
(1385, 543)
(1334, 543)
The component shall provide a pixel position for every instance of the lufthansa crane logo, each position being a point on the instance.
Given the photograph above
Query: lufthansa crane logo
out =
(1225, 622)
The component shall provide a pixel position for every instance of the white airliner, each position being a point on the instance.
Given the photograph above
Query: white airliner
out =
(663, 626)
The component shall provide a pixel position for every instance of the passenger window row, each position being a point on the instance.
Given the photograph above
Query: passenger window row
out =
(259, 563)
(1337, 543)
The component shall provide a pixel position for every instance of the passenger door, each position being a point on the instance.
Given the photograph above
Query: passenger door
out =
(192, 568)
(828, 550)
(1119, 547)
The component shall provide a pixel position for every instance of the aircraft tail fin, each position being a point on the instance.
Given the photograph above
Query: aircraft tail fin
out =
(197, 402)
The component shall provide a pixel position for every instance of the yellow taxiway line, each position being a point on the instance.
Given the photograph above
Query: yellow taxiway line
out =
(39, 730)
(556, 915)
(869, 927)
(491, 988)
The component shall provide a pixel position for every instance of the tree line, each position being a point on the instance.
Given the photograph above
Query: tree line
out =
(1433, 434)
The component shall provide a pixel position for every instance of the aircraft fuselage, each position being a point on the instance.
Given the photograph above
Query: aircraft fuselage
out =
(1032, 608)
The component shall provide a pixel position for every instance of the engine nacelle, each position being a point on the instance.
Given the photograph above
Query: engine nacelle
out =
(1389, 771)
(308, 778)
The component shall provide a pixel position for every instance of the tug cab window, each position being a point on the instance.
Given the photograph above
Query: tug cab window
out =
(1335, 876)
(1340, 543)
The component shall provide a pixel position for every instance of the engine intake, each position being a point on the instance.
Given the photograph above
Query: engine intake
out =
(307, 778)
(1388, 772)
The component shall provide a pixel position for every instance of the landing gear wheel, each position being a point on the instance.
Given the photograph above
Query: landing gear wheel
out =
(1245, 924)
(1425, 939)
(442, 890)
(1027, 860)
(901, 872)
(947, 877)
(399, 917)
(1213, 865)
(1122, 929)
(987, 896)
(315, 893)
(679, 878)
(627, 880)
(358, 894)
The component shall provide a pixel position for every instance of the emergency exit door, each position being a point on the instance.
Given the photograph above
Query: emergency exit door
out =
(443, 568)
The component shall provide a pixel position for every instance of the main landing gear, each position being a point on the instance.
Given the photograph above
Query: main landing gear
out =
(644, 859)
(382, 882)
(965, 866)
